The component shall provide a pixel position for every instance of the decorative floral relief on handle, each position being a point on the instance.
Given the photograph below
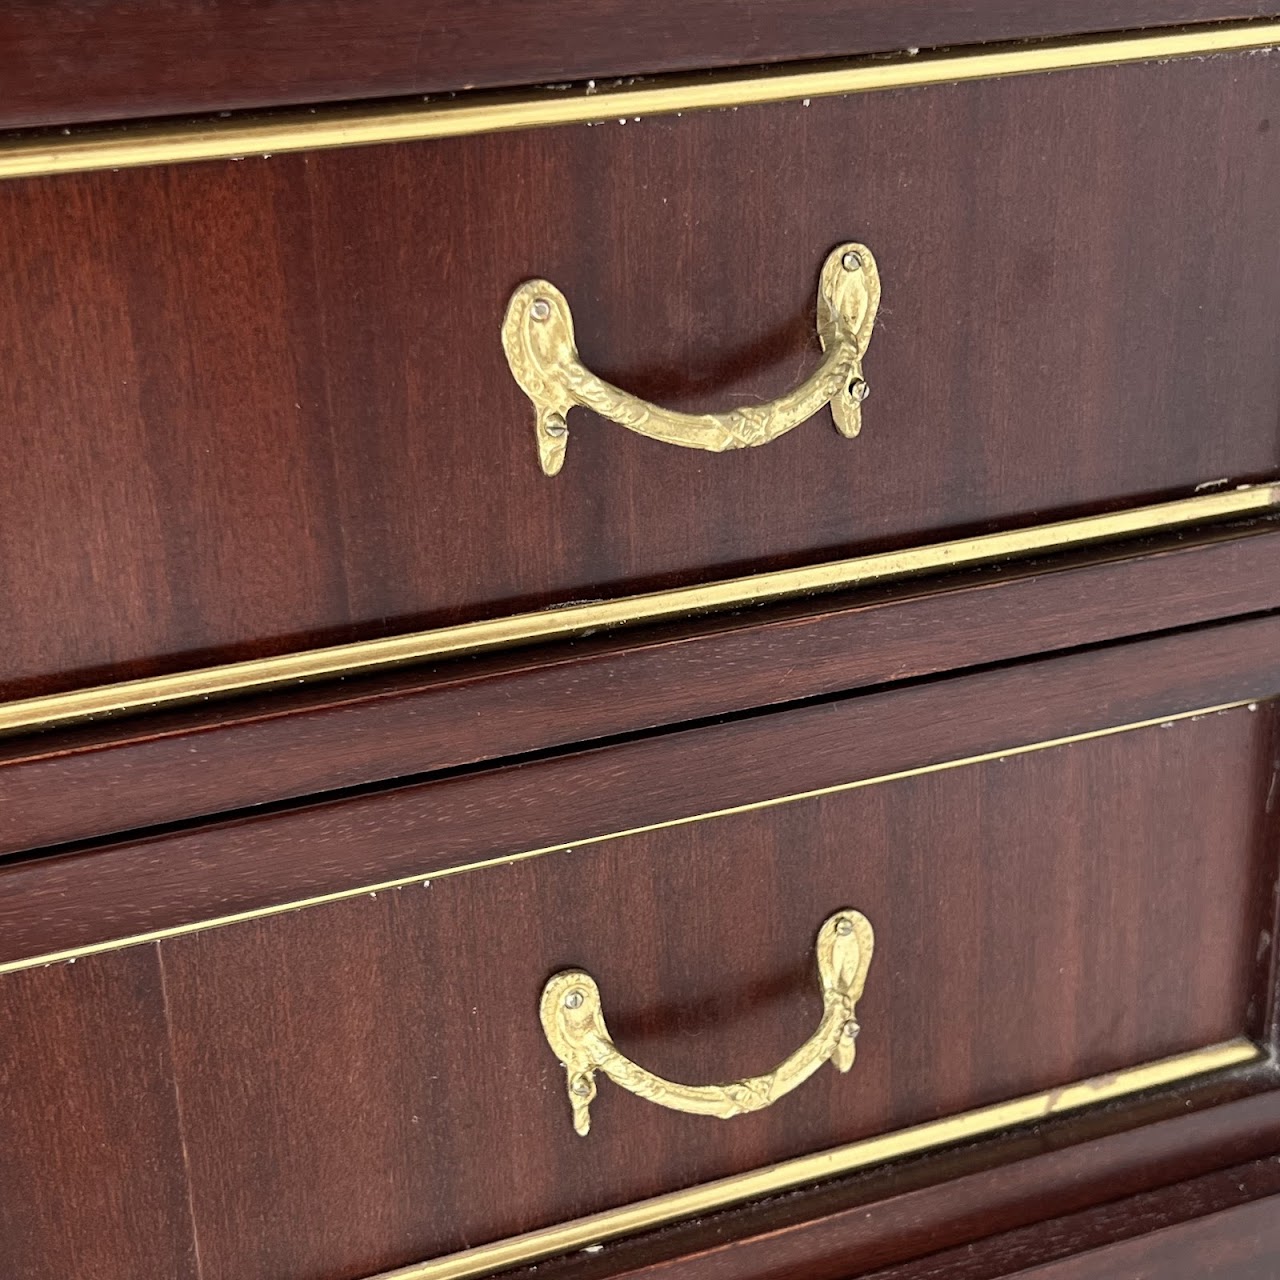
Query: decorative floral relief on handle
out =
(537, 336)
(573, 1021)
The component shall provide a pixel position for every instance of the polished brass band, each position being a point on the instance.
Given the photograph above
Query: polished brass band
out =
(571, 620)
(648, 1214)
(240, 136)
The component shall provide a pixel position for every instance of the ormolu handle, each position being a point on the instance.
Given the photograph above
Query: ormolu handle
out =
(537, 335)
(574, 1025)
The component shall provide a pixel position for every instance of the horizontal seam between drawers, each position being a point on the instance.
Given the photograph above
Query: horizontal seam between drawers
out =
(489, 635)
(70, 954)
(491, 112)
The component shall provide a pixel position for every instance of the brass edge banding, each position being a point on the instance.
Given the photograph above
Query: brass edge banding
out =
(400, 882)
(133, 146)
(648, 1214)
(570, 620)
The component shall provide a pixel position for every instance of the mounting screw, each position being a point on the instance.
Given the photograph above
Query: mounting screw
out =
(581, 1086)
(851, 1030)
(540, 309)
(844, 926)
(573, 1000)
(851, 261)
(859, 390)
(555, 425)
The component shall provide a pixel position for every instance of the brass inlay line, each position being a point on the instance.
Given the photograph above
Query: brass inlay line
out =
(175, 143)
(570, 620)
(661, 1210)
(400, 882)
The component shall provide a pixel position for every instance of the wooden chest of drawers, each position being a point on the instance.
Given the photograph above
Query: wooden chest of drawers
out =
(448, 828)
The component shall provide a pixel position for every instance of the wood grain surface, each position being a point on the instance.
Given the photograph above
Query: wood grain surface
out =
(255, 406)
(373, 1072)
(123, 58)
(259, 405)
(92, 1182)
(58, 787)
(1267, 1029)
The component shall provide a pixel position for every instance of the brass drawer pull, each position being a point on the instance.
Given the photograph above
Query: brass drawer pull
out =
(537, 335)
(574, 1026)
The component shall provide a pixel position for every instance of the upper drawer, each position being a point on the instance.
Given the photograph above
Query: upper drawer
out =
(260, 405)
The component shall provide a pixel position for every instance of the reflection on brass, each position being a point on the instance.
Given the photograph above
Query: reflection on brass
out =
(130, 696)
(574, 1024)
(537, 335)
(709, 1197)
(275, 133)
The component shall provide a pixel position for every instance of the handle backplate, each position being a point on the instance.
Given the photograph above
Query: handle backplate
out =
(573, 1021)
(538, 338)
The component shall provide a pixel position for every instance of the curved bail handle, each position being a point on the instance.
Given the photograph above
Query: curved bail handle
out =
(573, 1021)
(537, 336)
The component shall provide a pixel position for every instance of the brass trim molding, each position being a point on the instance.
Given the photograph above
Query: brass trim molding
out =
(571, 620)
(131, 146)
(662, 1210)
(71, 954)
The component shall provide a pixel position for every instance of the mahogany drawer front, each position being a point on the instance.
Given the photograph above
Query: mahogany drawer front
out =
(256, 406)
(341, 1087)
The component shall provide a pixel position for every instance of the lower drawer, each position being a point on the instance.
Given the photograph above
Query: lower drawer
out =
(358, 1080)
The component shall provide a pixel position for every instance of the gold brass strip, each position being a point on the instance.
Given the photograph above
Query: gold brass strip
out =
(542, 354)
(711, 1196)
(570, 620)
(236, 137)
(400, 882)
(573, 1022)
